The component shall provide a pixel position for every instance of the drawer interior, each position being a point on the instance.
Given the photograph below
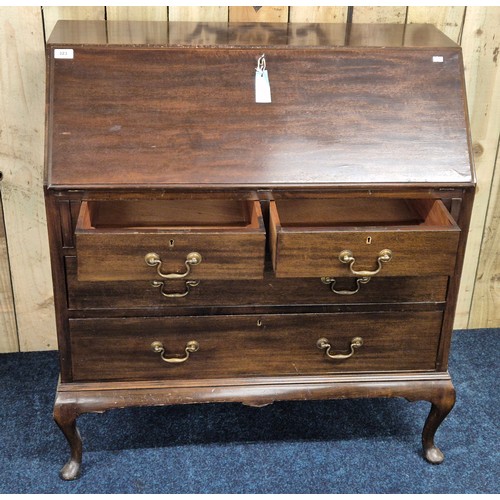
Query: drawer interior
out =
(368, 212)
(166, 214)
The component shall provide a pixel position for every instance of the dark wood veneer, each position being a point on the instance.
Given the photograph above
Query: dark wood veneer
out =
(265, 345)
(308, 244)
(249, 293)
(113, 252)
(166, 129)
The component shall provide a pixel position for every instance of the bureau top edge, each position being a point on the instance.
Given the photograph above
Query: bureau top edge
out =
(445, 189)
(178, 34)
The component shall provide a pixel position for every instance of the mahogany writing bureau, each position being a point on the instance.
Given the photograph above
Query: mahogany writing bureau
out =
(253, 213)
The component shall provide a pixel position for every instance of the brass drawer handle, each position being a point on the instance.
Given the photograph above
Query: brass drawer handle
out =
(323, 343)
(347, 257)
(191, 346)
(332, 281)
(161, 284)
(153, 259)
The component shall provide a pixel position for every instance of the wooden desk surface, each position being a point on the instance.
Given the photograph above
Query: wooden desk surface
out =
(184, 115)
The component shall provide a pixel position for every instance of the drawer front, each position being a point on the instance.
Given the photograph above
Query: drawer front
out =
(267, 345)
(421, 247)
(128, 242)
(251, 293)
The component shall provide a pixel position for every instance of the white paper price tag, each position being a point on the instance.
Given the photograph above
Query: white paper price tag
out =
(63, 53)
(262, 87)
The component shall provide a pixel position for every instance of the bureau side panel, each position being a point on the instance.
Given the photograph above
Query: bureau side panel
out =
(57, 233)
(463, 220)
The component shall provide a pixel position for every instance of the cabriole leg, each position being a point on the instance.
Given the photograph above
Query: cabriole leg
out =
(439, 410)
(65, 416)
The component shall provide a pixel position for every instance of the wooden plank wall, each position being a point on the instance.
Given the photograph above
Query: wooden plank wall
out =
(8, 328)
(27, 289)
(22, 111)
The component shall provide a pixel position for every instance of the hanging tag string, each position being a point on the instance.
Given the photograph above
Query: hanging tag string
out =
(261, 63)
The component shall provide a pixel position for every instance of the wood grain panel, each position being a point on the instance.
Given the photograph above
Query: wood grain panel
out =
(111, 349)
(482, 74)
(22, 116)
(8, 329)
(228, 131)
(258, 14)
(248, 293)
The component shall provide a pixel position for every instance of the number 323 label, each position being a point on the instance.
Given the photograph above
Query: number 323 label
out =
(63, 54)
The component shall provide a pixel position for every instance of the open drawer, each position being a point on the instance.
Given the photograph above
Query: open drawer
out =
(362, 237)
(169, 239)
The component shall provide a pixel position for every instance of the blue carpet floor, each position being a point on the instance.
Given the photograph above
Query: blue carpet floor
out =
(354, 446)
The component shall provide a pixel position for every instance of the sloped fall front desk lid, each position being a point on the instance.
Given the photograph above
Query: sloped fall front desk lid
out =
(156, 104)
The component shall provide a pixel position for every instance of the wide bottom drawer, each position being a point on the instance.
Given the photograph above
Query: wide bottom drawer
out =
(237, 346)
